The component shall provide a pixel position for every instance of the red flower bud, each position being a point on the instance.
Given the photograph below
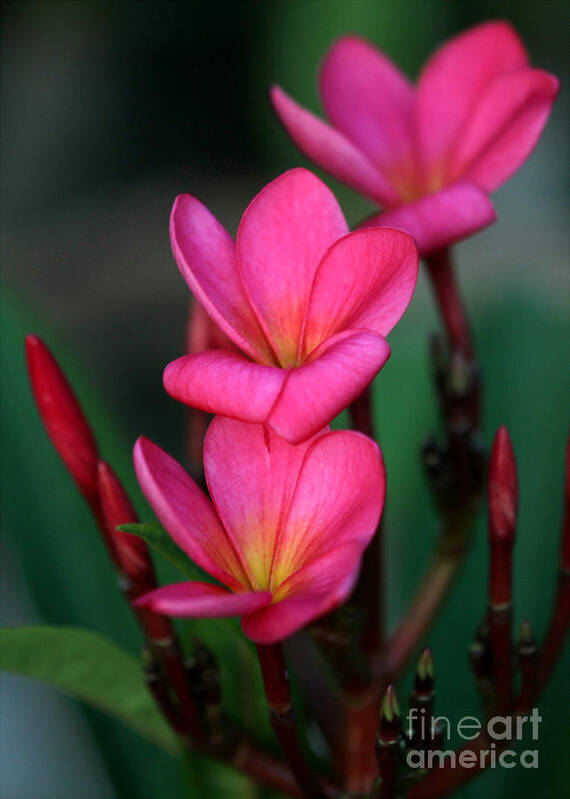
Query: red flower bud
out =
(62, 417)
(129, 552)
(503, 506)
(503, 491)
(424, 677)
(390, 717)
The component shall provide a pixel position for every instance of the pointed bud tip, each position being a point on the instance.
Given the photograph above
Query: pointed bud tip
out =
(503, 489)
(425, 668)
(33, 341)
(62, 416)
(390, 708)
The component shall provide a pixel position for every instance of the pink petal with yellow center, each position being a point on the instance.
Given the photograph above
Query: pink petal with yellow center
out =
(365, 281)
(338, 501)
(367, 98)
(186, 514)
(205, 254)
(332, 150)
(314, 590)
(281, 239)
(224, 382)
(199, 600)
(251, 474)
(337, 372)
(453, 80)
(504, 127)
(439, 220)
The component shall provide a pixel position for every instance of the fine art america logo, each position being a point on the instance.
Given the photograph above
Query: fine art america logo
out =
(491, 741)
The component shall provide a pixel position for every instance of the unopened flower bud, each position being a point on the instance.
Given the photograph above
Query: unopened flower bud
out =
(503, 506)
(424, 679)
(503, 491)
(62, 417)
(390, 722)
(129, 552)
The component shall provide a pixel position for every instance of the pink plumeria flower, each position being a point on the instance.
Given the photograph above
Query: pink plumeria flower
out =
(307, 304)
(285, 530)
(429, 155)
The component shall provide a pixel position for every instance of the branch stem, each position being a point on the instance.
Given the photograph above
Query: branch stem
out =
(282, 717)
(448, 298)
(500, 633)
(370, 589)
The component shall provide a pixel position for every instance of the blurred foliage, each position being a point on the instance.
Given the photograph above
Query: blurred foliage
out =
(88, 667)
(103, 95)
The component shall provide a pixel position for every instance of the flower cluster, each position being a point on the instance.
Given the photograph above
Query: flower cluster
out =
(302, 308)
(299, 308)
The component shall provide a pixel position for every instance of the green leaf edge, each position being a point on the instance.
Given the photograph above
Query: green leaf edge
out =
(156, 537)
(144, 718)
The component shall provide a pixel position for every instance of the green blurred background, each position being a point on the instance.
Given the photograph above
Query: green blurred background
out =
(110, 109)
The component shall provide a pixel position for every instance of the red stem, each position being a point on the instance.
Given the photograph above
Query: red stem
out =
(500, 626)
(369, 593)
(282, 716)
(355, 750)
(263, 768)
(388, 765)
(448, 297)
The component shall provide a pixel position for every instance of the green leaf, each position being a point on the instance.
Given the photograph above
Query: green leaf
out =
(89, 667)
(156, 536)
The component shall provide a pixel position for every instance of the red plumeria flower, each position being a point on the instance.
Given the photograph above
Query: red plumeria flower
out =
(430, 154)
(306, 302)
(286, 530)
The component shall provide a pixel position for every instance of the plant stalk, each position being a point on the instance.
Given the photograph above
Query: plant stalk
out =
(282, 717)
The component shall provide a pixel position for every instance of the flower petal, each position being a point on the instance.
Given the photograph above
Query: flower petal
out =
(338, 501)
(365, 281)
(281, 239)
(251, 474)
(440, 219)
(204, 252)
(186, 513)
(369, 100)
(339, 370)
(225, 382)
(504, 127)
(331, 150)
(199, 600)
(318, 588)
(453, 80)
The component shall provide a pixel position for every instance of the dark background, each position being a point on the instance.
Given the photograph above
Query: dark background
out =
(110, 109)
